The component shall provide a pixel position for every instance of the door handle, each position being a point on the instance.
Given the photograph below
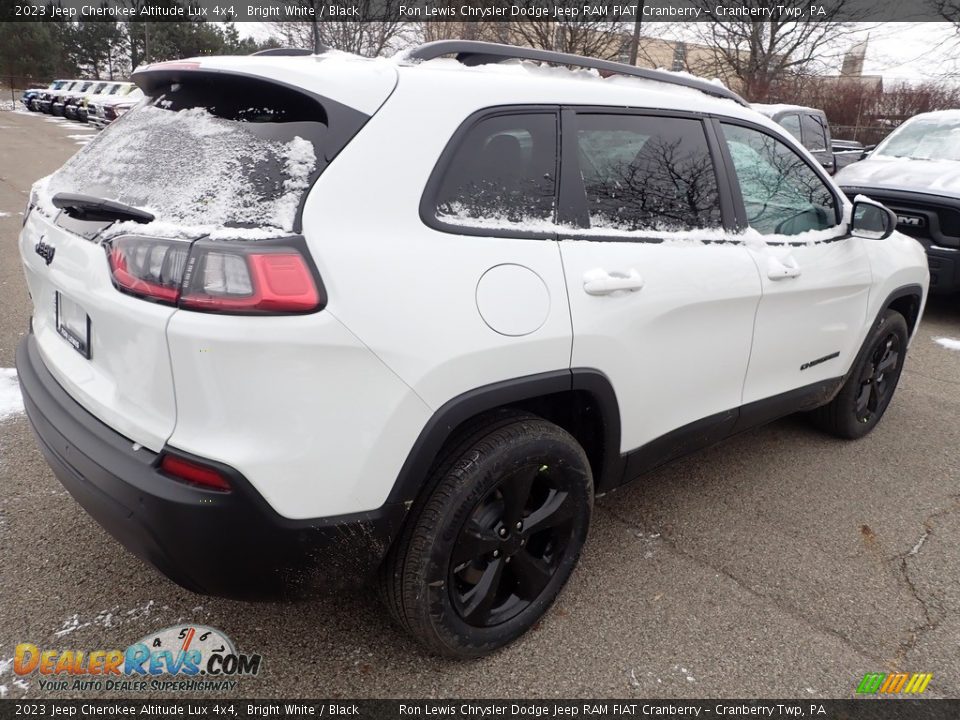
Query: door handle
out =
(781, 270)
(601, 282)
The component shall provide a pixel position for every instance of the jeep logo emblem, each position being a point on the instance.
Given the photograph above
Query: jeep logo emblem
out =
(45, 251)
(916, 221)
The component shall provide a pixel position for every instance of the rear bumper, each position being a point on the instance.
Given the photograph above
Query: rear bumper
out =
(231, 544)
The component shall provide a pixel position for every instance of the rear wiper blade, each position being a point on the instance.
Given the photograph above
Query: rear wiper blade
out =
(88, 207)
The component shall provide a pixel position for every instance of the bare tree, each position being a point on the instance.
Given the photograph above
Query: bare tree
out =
(373, 32)
(489, 31)
(949, 10)
(756, 51)
(593, 38)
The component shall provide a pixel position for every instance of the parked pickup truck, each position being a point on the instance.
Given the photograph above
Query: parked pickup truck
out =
(915, 172)
(808, 125)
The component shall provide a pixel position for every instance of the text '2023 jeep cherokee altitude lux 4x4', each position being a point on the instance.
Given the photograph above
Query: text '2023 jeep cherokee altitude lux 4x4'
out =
(299, 318)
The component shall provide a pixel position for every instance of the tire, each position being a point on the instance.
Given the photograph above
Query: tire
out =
(497, 535)
(869, 387)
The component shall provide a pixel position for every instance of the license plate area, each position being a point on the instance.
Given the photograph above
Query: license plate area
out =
(73, 324)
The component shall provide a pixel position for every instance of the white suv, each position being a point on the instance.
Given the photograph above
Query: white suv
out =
(413, 315)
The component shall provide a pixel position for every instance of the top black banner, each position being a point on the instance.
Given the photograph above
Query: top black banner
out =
(568, 11)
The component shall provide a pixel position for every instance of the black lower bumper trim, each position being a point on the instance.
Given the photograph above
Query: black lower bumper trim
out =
(944, 270)
(232, 544)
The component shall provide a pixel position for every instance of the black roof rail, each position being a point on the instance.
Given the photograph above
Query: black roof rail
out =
(287, 51)
(476, 52)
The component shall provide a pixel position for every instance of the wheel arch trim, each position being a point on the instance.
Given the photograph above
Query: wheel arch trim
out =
(454, 413)
(904, 291)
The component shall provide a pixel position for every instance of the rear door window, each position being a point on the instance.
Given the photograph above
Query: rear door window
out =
(791, 123)
(647, 173)
(814, 133)
(213, 152)
(502, 173)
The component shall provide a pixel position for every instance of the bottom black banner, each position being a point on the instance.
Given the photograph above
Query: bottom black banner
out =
(911, 708)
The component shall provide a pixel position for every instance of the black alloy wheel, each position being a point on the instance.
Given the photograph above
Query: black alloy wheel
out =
(511, 546)
(879, 378)
(496, 534)
(870, 383)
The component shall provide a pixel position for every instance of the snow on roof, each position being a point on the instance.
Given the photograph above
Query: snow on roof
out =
(772, 109)
(510, 81)
(362, 83)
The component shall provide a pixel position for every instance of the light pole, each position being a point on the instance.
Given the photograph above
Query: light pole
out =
(635, 41)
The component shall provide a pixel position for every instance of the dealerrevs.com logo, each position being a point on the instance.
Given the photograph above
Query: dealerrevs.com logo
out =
(894, 683)
(180, 658)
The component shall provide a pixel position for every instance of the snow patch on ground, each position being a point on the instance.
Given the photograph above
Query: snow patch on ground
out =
(11, 402)
(8, 105)
(111, 617)
(115, 616)
(948, 343)
(4, 214)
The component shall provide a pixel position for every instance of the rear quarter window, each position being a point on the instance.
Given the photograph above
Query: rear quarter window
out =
(501, 172)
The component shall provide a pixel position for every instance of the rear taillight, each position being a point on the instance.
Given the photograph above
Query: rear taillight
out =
(194, 472)
(148, 267)
(275, 281)
(217, 276)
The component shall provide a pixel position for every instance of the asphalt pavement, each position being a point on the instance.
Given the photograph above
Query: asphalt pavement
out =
(782, 563)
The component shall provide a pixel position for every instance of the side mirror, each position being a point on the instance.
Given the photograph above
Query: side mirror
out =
(871, 220)
(866, 151)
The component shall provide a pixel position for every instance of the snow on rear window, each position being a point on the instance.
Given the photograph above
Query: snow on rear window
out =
(191, 168)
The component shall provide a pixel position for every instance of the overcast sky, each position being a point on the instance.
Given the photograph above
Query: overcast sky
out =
(912, 51)
(898, 51)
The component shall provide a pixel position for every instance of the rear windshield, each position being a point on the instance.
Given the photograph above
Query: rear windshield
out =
(205, 154)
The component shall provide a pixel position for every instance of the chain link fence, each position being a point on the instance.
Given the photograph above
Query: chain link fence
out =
(12, 87)
(864, 134)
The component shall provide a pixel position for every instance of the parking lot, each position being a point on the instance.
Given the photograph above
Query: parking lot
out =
(780, 564)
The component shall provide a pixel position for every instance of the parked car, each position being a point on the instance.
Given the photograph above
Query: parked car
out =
(52, 96)
(252, 380)
(42, 99)
(916, 172)
(847, 152)
(102, 112)
(808, 125)
(31, 92)
(73, 103)
(109, 90)
(59, 103)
